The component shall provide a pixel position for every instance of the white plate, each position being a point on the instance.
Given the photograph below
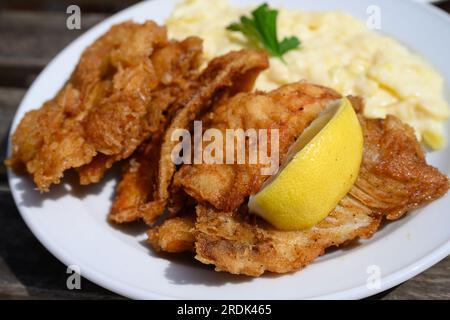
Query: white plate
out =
(72, 223)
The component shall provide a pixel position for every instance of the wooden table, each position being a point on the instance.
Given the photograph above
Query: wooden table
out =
(32, 32)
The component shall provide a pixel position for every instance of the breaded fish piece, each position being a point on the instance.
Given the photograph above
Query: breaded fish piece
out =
(393, 179)
(174, 235)
(176, 66)
(290, 108)
(224, 76)
(235, 244)
(107, 107)
(138, 182)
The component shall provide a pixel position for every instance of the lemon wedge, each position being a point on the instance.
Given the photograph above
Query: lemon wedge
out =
(321, 167)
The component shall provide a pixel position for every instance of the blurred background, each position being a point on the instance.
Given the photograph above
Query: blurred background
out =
(32, 32)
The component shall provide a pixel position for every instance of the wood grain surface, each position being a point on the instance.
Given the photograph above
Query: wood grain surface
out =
(31, 34)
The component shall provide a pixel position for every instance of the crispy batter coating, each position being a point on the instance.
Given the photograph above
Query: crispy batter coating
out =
(47, 141)
(291, 108)
(233, 243)
(175, 66)
(138, 182)
(111, 103)
(393, 179)
(224, 76)
(174, 235)
(395, 176)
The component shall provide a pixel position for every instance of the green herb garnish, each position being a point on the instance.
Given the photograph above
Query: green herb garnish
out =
(261, 30)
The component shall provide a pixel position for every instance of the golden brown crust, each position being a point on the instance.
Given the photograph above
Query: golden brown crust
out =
(394, 178)
(108, 106)
(235, 244)
(174, 235)
(175, 66)
(137, 184)
(47, 142)
(56, 137)
(224, 76)
(290, 108)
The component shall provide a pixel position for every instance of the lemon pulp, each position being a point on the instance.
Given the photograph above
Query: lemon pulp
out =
(321, 167)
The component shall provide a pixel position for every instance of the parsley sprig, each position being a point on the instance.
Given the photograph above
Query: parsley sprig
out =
(261, 30)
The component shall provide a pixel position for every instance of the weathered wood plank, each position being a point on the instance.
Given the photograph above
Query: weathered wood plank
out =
(444, 5)
(9, 101)
(30, 40)
(434, 283)
(27, 269)
(109, 6)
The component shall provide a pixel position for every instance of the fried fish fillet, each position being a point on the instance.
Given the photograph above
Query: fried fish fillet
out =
(175, 66)
(290, 109)
(138, 182)
(108, 106)
(238, 243)
(393, 179)
(174, 235)
(233, 244)
(223, 77)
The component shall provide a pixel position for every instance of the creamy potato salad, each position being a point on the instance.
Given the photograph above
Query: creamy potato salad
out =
(336, 50)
